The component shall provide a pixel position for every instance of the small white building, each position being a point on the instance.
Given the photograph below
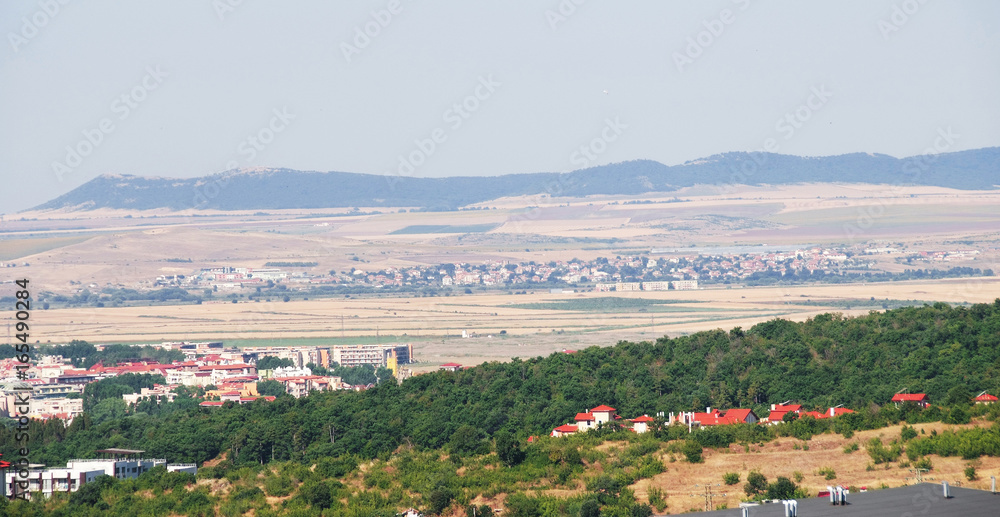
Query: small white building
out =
(119, 463)
(641, 425)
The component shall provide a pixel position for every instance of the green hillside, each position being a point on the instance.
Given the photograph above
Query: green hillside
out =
(947, 352)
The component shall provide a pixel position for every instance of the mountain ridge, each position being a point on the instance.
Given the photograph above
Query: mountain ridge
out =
(282, 188)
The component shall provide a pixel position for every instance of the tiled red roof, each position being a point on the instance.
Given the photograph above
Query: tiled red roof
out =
(580, 417)
(451, 365)
(224, 367)
(566, 428)
(739, 414)
(789, 407)
(643, 418)
(602, 409)
(909, 397)
(210, 403)
(776, 416)
(985, 397)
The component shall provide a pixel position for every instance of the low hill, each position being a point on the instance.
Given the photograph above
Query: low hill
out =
(290, 189)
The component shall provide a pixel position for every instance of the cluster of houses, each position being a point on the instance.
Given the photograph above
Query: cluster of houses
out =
(230, 374)
(603, 415)
(922, 400)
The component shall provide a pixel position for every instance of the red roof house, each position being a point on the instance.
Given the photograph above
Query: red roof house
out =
(985, 398)
(641, 425)
(920, 399)
(564, 430)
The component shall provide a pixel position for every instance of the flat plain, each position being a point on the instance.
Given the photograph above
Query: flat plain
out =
(69, 251)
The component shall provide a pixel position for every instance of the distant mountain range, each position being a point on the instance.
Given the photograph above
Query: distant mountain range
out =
(253, 189)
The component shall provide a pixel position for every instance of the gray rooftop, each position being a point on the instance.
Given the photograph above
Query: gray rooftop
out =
(925, 500)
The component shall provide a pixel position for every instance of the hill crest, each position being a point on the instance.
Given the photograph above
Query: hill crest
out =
(281, 188)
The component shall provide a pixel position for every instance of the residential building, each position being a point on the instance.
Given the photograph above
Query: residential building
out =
(118, 463)
(641, 425)
(919, 399)
(984, 398)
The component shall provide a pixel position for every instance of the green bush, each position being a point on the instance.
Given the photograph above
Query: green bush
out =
(827, 473)
(882, 454)
(970, 473)
(692, 451)
(278, 486)
(590, 508)
(782, 488)
(756, 484)
(657, 499)
(731, 478)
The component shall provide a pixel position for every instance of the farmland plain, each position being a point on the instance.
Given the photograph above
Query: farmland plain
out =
(71, 250)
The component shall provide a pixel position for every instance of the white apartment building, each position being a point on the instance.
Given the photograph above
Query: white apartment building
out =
(119, 463)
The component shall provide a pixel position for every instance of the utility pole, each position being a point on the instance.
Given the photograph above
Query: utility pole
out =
(919, 472)
(709, 496)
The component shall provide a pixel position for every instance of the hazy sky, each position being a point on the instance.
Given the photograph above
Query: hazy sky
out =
(185, 88)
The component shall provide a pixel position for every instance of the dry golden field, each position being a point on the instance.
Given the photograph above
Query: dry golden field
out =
(435, 324)
(68, 251)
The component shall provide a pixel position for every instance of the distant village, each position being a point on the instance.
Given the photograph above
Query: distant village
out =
(650, 272)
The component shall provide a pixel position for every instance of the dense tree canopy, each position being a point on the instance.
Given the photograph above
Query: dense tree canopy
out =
(827, 360)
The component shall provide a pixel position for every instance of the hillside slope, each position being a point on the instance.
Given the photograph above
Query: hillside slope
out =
(290, 189)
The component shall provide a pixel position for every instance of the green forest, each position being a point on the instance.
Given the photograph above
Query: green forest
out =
(485, 414)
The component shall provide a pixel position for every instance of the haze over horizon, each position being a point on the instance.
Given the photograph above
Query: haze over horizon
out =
(434, 90)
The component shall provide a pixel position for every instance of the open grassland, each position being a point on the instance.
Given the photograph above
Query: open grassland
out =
(12, 249)
(130, 249)
(72, 250)
(785, 456)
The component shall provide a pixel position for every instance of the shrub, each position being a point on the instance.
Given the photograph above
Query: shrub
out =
(641, 510)
(692, 451)
(957, 416)
(908, 433)
(970, 473)
(590, 508)
(440, 499)
(880, 453)
(851, 447)
(278, 486)
(756, 484)
(731, 478)
(782, 488)
(656, 499)
(924, 463)
(827, 473)
(798, 476)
